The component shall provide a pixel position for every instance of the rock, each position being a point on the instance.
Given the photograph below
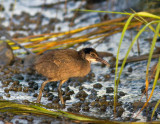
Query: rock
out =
(6, 54)
(121, 93)
(120, 111)
(19, 77)
(109, 90)
(97, 86)
(86, 108)
(77, 104)
(130, 69)
(82, 94)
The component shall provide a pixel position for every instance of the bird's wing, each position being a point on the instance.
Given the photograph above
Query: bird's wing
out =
(58, 64)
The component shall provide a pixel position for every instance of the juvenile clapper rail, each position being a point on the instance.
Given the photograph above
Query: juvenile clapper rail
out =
(63, 64)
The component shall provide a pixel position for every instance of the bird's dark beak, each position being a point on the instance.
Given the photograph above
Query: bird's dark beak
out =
(103, 61)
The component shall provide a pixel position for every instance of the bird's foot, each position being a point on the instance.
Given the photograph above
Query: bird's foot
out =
(38, 100)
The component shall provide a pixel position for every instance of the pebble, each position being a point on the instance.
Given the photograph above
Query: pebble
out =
(35, 95)
(97, 86)
(8, 95)
(121, 93)
(6, 90)
(109, 90)
(77, 104)
(81, 93)
(120, 111)
(130, 69)
(86, 108)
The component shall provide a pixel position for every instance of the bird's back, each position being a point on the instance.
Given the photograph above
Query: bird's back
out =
(62, 64)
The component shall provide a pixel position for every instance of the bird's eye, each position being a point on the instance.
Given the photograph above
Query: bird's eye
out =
(93, 54)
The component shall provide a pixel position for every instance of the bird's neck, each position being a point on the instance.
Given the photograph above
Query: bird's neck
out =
(81, 54)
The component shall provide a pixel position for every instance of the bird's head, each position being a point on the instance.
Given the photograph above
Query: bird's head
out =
(91, 55)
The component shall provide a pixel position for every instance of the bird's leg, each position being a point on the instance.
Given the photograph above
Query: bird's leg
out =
(60, 92)
(41, 90)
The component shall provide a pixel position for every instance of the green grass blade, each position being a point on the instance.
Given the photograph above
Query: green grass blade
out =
(156, 106)
(144, 14)
(158, 69)
(116, 70)
(85, 10)
(7, 106)
(131, 45)
(152, 48)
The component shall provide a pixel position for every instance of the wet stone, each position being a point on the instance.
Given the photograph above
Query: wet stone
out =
(109, 97)
(104, 103)
(107, 77)
(6, 82)
(76, 84)
(86, 108)
(71, 92)
(6, 71)
(25, 89)
(130, 69)
(73, 109)
(97, 86)
(120, 111)
(67, 89)
(121, 93)
(67, 98)
(86, 103)
(94, 92)
(19, 77)
(16, 83)
(112, 71)
(31, 90)
(35, 95)
(50, 98)
(35, 86)
(67, 93)
(18, 35)
(127, 119)
(6, 90)
(49, 105)
(8, 95)
(138, 104)
(46, 89)
(95, 104)
(103, 108)
(55, 100)
(99, 78)
(15, 89)
(92, 74)
(25, 101)
(57, 106)
(82, 94)
(77, 104)
(19, 88)
(31, 83)
(92, 97)
(109, 90)
(81, 88)
(82, 99)
(45, 122)
(103, 98)
(30, 119)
